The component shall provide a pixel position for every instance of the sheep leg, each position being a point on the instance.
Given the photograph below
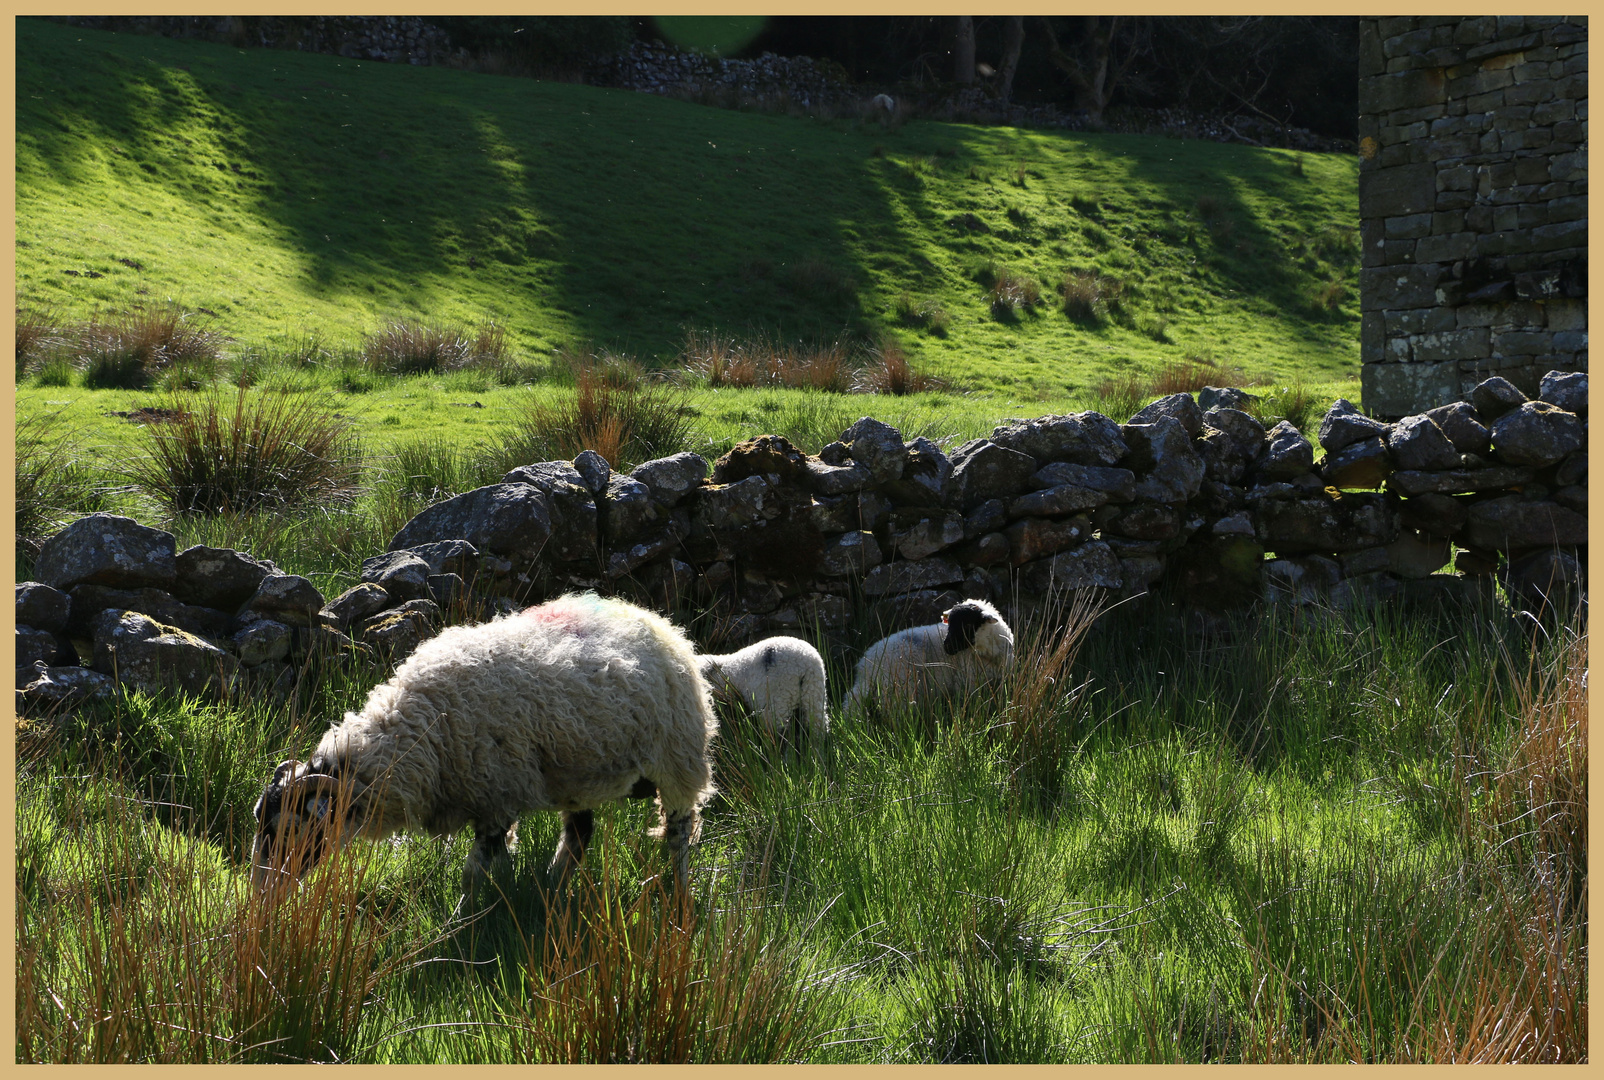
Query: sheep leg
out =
(577, 827)
(489, 849)
(677, 827)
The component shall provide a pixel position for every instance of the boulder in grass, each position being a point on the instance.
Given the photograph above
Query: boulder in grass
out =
(1566, 390)
(1494, 397)
(219, 578)
(509, 520)
(42, 607)
(263, 641)
(106, 549)
(146, 655)
(357, 602)
(286, 598)
(89, 600)
(402, 575)
(1344, 425)
(1536, 434)
(449, 557)
(60, 686)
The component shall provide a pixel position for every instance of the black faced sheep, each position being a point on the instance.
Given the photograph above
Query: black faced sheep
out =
(564, 706)
(780, 679)
(971, 645)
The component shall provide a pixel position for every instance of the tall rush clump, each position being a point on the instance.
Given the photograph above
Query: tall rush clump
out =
(262, 451)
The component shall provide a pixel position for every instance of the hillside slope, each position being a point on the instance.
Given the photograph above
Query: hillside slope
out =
(286, 192)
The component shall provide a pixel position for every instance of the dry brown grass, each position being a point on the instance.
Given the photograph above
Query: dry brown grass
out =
(626, 420)
(647, 981)
(888, 372)
(723, 361)
(39, 336)
(127, 350)
(1012, 291)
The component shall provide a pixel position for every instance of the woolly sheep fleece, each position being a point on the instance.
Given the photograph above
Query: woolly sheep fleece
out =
(778, 678)
(560, 707)
(913, 663)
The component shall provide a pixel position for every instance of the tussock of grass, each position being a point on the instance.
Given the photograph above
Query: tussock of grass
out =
(131, 349)
(55, 481)
(410, 346)
(38, 338)
(888, 372)
(261, 450)
(626, 421)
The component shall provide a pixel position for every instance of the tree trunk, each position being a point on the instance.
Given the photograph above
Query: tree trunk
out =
(963, 51)
(1013, 42)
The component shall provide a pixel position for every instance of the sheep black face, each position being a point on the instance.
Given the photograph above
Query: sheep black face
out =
(295, 823)
(963, 623)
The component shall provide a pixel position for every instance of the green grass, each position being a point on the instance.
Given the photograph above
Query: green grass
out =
(297, 194)
(1311, 839)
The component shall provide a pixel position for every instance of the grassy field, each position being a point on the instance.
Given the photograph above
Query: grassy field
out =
(1334, 838)
(1304, 836)
(292, 195)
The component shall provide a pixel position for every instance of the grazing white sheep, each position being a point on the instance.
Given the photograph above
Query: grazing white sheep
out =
(564, 706)
(781, 679)
(971, 645)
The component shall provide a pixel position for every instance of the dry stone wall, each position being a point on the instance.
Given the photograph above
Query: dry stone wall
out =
(1192, 496)
(1473, 200)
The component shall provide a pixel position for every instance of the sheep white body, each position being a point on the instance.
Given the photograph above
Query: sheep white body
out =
(563, 707)
(780, 678)
(914, 663)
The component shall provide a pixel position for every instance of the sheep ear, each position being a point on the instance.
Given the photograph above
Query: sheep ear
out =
(285, 768)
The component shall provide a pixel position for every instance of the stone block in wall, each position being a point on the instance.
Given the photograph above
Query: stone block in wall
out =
(1417, 442)
(626, 510)
(147, 655)
(925, 476)
(671, 478)
(1056, 501)
(1410, 483)
(1512, 522)
(1119, 484)
(1433, 514)
(1364, 464)
(1036, 538)
(1168, 469)
(913, 536)
(878, 447)
(1087, 438)
(1406, 90)
(1537, 434)
(1219, 572)
(1463, 427)
(1400, 389)
(1398, 191)
(900, 577)
(990, 549)
(1394, 287)
(1566, 390)
(107, 549)
(989, 516)
(1413, 555)
(1092, 565)
(982, 469)
(1146, 521)
(1324, 524)
(505, 519)
(1286, 455)
(1245, 431)
(769, 456)
(834, 514)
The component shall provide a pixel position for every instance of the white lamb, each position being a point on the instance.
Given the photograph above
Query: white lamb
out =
(780, 679)
(969, 647)
(563, 707)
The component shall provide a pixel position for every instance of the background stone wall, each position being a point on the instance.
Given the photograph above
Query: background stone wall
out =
(1473, 200)
(1191, 500)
